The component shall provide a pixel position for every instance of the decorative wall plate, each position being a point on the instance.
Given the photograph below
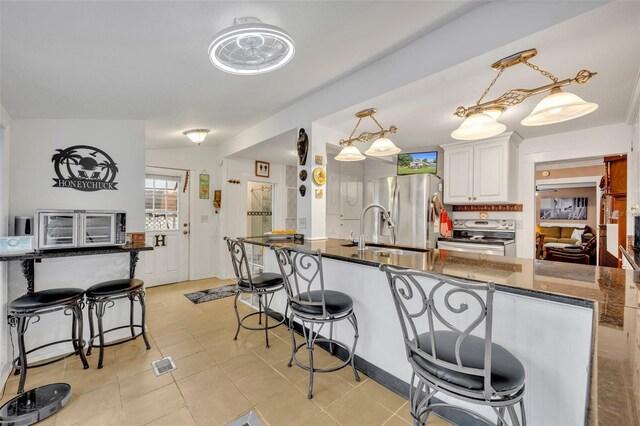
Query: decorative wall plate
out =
(319, 176)
(303, 190)
(303, 175)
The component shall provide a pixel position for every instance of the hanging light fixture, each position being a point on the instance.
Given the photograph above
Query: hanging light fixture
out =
(196, 135)
(557, 107)
(381, 147)
(350, 153)
(251, 47)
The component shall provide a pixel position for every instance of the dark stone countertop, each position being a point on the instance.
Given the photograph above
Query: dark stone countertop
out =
(632, 254)
(85, 251)
(615, 385)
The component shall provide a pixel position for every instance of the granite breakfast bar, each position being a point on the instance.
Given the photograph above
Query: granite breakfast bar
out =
(575, 328)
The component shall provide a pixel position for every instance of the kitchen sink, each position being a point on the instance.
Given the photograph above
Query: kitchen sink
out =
(386, 251)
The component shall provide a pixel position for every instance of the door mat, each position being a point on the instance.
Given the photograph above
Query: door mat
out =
(212, 294)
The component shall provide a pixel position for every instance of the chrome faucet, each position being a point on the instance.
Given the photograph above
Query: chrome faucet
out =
(385, 215)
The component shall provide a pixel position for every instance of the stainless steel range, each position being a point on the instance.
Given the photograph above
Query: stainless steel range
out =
(487, 236)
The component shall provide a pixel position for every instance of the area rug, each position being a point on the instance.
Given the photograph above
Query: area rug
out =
(211, 294)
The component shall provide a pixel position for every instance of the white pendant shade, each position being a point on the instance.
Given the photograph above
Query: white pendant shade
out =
(557, 107)
(196, 135)
(478, 126)
(382, 147)
(350, 153)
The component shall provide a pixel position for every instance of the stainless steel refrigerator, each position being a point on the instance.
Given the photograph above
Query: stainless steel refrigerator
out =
(409, 200)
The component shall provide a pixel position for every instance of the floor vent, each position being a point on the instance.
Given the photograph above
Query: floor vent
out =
(163, 366)
(249, 419)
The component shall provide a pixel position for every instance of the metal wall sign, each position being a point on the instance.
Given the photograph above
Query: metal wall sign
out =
(84, 168)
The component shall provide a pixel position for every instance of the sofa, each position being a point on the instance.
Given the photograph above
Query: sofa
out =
(581, 253)
(562, 234)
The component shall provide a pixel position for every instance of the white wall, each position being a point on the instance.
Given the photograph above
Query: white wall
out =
(33, 144)
(5, 137)
(205, 223)
(593, 142)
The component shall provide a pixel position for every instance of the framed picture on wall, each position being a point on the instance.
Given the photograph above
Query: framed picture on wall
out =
(262, 169)
(564, 208)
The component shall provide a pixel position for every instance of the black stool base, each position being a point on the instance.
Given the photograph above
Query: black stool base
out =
(35, 405)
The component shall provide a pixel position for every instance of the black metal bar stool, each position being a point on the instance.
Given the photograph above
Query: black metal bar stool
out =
(263, 285)
(315, 308)
(437, 316)
(102, 296)
(32, 305)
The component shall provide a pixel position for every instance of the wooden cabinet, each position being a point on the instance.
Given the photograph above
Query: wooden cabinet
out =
(482, 172)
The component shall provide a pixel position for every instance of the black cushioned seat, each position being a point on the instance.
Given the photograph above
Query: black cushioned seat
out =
(109, 288)
(507, 372)
(45, 298)
(264, 280)
(335, 301)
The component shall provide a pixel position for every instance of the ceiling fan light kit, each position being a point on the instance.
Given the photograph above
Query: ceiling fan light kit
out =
(381, 147)
(251, 47)
(558, 106)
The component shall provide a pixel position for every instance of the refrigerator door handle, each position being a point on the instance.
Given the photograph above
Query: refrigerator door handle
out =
(394, 203)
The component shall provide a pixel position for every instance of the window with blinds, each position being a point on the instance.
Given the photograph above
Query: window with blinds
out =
(161, 203)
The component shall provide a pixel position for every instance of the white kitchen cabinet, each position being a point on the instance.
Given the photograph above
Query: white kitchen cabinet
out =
(482, 172)
(345, 194)
(349, 226)
(458, 172)
(351, 189)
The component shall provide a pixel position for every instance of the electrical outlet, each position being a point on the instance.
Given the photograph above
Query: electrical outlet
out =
(518, 224)
(204, 218)
(302, 223)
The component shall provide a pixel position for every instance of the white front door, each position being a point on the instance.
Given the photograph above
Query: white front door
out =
(166, 226)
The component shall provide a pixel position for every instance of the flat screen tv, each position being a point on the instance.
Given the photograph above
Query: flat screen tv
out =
(418, 162)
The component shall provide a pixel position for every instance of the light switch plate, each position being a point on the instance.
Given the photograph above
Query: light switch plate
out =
(302, 223)
(204, 218)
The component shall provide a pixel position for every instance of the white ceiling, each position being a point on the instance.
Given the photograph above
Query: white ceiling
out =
(604, 40)
(280, 149)
(146, 60)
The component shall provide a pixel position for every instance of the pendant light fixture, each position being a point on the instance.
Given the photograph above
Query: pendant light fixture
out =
(481, 119)
(251, 47)
(196, 135)
(381, 147)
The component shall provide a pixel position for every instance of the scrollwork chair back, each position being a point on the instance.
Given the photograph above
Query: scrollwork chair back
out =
(239, 261)
(427, 302)
(302, 273)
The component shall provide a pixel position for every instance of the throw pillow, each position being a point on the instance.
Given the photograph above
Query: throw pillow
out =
(577, 235)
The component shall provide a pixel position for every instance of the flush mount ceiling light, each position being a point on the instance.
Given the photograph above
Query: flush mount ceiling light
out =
(381, 147)
(196, 135)
(251, 47)
(481, 119)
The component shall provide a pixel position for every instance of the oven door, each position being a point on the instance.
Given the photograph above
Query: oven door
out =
(497, 249)
(98, 229)
(57, 230)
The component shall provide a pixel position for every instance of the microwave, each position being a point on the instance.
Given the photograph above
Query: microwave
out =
(61, 229)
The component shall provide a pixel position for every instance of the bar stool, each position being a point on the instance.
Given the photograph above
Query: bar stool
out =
(437, 315)
(264, 285)
(32, 305)
(314, 308)
(102, 296)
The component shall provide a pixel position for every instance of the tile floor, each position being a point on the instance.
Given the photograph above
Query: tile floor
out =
(216, 380)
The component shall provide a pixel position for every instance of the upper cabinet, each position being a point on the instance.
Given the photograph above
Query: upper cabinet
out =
(482, 172)
(345, 183)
